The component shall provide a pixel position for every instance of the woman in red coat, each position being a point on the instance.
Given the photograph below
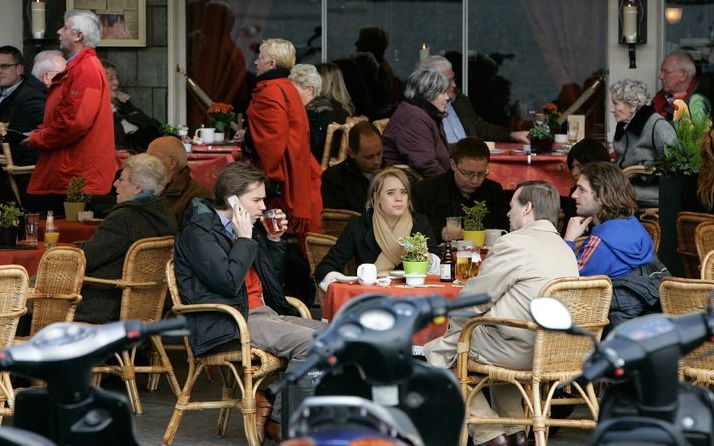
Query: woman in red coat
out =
(280, 135)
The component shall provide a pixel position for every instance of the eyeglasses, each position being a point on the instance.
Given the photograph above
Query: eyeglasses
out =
(473, 175)
(5, 66)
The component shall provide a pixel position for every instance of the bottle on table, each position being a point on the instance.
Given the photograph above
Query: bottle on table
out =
(50, 223)
(447, 264)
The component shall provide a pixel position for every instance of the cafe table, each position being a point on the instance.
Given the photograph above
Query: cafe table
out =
(339, 294)
(27, 256)
(70, 231)
(510, 166)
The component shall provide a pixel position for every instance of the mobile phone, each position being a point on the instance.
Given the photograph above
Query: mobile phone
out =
(233, 201)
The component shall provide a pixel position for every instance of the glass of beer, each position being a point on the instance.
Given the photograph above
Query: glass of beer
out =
(271, 221)
(51, 238)
(463, 266)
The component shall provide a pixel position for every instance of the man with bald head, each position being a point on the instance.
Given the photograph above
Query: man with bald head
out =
(677, 74)
(180, 188)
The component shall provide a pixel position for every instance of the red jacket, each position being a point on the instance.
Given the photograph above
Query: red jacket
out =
(280, 133)
(76, 137)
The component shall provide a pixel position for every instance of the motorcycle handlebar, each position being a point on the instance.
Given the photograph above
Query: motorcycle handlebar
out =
(596, 369)
(467, 301)
(162, 326)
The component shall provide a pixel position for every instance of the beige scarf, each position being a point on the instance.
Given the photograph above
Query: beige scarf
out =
(388, 239)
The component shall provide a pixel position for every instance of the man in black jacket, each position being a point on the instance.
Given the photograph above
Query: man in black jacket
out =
(344, 185)
(22, 104)
(222, 256)
(464, 183)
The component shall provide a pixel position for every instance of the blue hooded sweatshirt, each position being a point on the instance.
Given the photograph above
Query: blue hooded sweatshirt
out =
(614, 248)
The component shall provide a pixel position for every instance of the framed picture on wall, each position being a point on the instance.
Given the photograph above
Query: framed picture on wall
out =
(123, 21)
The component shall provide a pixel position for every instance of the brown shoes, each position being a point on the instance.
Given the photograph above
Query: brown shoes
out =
(263, 408)
(517, 439)
(501, 440)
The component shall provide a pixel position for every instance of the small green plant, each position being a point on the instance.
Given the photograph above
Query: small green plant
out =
(539, 132)
(415, 248)
(474, 215)
(684, 157)
(75, 191)
(9, 215)
(168, 130)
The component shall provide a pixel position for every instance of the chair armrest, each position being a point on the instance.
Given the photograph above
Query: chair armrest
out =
(301, 307)
(630, 171)
(19, 170)
(204, 308)
(119, 283)
(75, 298)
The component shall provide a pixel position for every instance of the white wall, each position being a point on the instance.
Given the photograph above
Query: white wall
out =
(11, 24)
(648, 55)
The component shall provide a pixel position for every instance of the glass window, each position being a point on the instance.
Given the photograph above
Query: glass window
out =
(690, 27)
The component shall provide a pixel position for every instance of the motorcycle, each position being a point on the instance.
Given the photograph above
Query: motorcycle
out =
(372, 387)
(644, 402)
(69, 411)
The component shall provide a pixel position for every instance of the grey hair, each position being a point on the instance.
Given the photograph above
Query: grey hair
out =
(47, 60)
(306, 75)
(684, 61)
(632, 92)
(436, 62)
(88, 24)
(425, 83)
(147, 172)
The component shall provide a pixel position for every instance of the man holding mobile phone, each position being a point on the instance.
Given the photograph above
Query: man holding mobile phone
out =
(223, 256)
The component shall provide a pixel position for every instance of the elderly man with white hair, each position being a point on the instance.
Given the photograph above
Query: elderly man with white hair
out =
(461, 120)
(47, 65)
(677, 74)
(140, 212)
(180, 188)
(76, 137)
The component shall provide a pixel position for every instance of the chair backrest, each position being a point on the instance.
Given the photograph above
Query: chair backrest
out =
(356, 119)
(316, 247)
(704, 238)
(13, 293)
(381, 124)
(333, 221)
(652, 226)
(332, 130)
(9, 166)
(708, 266)
(678, 295)
(61, 272)
(144, 267)
(172, 283)
(687, 223)
(588, 300)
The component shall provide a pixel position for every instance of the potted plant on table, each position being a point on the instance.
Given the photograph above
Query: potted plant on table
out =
(416, 253)
(76, 198)
(9, 223)
(473, 222)
(544, 125)
(220, 116)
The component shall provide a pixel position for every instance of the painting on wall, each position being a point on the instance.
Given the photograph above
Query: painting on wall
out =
(123, 21)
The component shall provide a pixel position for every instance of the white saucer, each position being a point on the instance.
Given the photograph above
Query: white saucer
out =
(348, 279)
(397, 274)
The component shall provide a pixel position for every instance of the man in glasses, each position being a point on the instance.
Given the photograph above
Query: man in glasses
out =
(677, 74)
(22, 104)
(464, 183)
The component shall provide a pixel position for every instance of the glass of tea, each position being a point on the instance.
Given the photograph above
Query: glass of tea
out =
(271, 222)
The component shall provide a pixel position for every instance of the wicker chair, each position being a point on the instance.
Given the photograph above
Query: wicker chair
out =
(638, 171)
(9, 166)
(316, 247)
(356, 119)
(556, 358)
(687, 223)
(652, 226)
(13, 291)
(708, 266)
(704, 238)
(56, 294)
(343, 131)
(333, 221)
(144, 291)
(680, 296)
(381, 124)
(245, 368)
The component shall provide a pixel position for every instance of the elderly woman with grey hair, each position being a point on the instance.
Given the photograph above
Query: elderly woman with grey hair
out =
(140, 213)
(308, 83)
(640, 135)
(415, 134)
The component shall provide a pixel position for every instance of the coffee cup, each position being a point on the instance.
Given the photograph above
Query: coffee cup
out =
(492, 235)
(207, 134)
(561, 138)
(367, 273)
(218, 137)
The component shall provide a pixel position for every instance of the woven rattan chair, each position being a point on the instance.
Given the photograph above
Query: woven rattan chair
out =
(652, 226)
(56, 294)
(356, 119)
(381, 124)
(13, 291)
(144, 288)
(245, 368)
(556, 358)
(704, 238)
(687, 223)
(333, 221)
(316, 247)
(708, 267)
(680, 296)
(9, 166)
(639, 171)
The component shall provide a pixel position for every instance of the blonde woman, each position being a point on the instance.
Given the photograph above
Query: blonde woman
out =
(373, 237)
(333, 87)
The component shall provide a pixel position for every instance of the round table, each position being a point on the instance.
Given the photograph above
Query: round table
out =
(340, 293)
(28, 257)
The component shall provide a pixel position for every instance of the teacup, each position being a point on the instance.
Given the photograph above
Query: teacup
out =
(367, 273)
(492, 235)
(218, 137)
(207, 134)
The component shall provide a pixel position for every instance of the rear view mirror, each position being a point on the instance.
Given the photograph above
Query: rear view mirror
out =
(551, 314)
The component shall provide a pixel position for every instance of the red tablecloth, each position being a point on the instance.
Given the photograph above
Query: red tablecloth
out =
(29, 258)
(70, 231)
(204, 166)
(340, 293)
(510, 168)
(214, 149)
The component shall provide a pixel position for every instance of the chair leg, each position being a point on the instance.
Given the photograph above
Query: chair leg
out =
(538, 418)
(126, 365)
(181, 402)
(152, 384)
(165, 363)
(227, 393)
